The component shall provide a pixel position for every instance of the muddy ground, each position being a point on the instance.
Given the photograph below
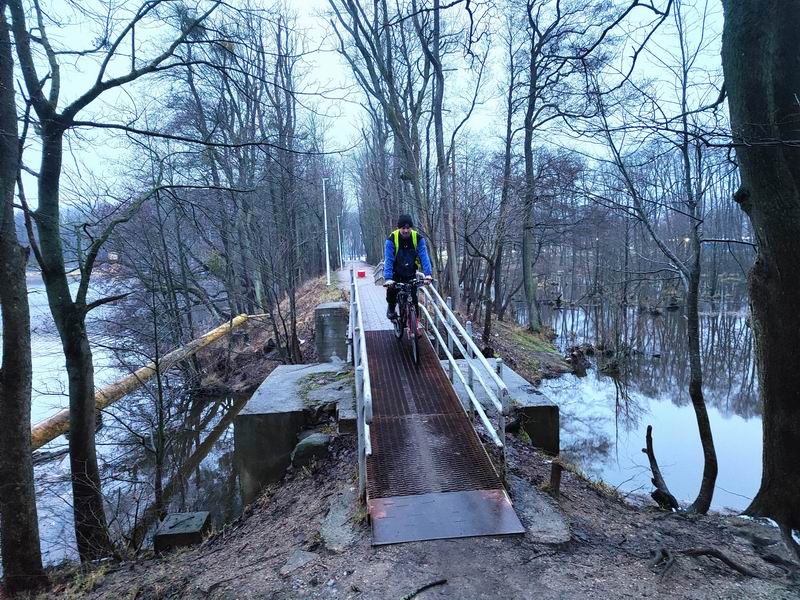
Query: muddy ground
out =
(307, 537)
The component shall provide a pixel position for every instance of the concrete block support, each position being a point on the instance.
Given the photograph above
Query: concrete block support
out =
(330, 331)
(539, 416)
(542, 423)
(263, 447)
(265, 431)
(181, 529)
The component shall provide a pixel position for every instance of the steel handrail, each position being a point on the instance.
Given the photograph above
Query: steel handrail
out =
(500, 400)
(481, 358)
(367, 387)
(473, 399)
(492, 396)
(362, 384)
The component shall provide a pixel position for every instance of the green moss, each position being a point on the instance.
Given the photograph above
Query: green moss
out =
(315, 381)
(361, 515)
(524, 437)
(533, 342)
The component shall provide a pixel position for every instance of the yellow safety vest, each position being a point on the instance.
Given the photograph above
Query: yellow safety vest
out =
(396, 238)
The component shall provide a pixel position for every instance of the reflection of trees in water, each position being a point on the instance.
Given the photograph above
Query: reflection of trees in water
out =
(198, 430)
(584, 423)
(651, 353)
(584, 441)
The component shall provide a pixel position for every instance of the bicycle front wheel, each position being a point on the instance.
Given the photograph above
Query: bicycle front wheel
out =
(412, 335)
(399, 323)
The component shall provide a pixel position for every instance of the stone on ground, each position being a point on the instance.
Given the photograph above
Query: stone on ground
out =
(297, 559)
(336, 528)
(543, 520)
(313, 447)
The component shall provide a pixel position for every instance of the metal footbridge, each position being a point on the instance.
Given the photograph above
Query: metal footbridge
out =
(424, 470)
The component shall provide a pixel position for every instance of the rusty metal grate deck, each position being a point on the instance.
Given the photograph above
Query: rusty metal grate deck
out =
(422, 441)
(403, 389)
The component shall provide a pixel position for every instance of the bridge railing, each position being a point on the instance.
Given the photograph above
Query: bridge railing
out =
(358, 343)
(480, 371)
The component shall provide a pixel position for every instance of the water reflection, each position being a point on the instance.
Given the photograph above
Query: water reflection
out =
(640, 376)
(650, 352)
(198, 472)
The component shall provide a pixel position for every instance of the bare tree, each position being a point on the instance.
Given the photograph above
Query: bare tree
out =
(433, 51)
(19, 526)
(396, 75)
(70, 313)
(761, 78)
(689, 184)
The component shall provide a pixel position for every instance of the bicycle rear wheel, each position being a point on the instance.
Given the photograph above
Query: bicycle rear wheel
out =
(412, 335)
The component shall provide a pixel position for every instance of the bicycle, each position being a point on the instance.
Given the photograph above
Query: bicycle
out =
(407, 319)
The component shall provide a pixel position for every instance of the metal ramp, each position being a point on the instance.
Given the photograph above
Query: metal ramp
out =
(423, 469)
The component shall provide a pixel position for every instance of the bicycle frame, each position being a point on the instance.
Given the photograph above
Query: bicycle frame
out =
(407, 319)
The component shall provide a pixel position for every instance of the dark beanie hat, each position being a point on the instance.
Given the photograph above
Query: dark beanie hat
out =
(405, 221)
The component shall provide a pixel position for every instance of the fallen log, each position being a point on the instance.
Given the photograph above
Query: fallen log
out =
(58, 424)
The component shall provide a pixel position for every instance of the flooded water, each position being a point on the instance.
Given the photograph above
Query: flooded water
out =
(604, 417)
(198, 473)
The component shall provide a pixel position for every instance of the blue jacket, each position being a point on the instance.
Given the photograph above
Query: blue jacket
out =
(406, 251)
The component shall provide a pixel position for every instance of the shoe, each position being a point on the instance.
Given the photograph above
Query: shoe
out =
(390, 314)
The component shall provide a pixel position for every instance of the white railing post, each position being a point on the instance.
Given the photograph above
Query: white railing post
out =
(503, 394)
(429, 304)
(351, 326)
(469, 356)
(362, 459)
(450, 341)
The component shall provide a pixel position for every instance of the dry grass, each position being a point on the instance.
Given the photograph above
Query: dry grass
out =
(532, 355)
(240, 364)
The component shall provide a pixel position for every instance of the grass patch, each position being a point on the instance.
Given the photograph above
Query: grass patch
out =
(361, 515)
(525, 340)
(604, 489)
(86, 579)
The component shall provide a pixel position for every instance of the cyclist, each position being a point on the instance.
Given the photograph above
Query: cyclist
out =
(404, 252)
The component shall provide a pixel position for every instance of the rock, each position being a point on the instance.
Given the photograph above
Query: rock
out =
(313, 447)
(543, 520)
(181, 529)
(336, 528)
(297, 559)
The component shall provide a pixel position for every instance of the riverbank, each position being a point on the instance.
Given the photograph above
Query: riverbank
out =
(307, 538)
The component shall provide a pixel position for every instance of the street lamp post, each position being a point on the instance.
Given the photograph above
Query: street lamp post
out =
(339, 239)
(325, 218)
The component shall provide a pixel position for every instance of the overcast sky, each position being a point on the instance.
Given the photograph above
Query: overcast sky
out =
(106, 154)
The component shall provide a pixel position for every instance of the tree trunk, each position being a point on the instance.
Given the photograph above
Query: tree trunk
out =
(441, 163)
(703, 501)
(765, 123)
(90, 520)
(88, 505)
(528, 276)
(19, 524)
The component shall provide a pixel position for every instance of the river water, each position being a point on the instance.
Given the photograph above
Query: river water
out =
(199, 472)
(604, 415)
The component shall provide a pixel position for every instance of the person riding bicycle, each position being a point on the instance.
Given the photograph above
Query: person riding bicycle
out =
(404, 252)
